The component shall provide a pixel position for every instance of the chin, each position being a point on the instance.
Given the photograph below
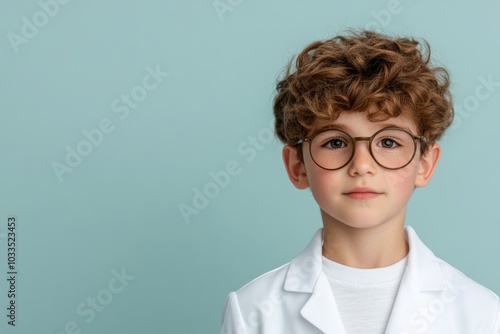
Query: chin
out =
(363, 224)
(360, 222)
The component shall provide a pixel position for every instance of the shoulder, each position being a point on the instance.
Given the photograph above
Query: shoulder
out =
(250, 308)
(476, 306)
(277, 294)
(264, 286)
(467, 299)
(442, 271)
(298, 275)
(473, 292)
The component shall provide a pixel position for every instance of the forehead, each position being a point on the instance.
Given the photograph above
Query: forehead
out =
(358, 124)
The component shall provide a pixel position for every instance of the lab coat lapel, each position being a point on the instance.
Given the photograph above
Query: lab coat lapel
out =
(306, 275)
(321, 309)
(422, 277)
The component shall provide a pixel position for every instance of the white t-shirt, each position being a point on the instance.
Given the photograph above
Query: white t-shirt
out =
(364, 297)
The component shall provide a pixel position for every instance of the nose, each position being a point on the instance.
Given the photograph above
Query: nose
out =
(362, 161)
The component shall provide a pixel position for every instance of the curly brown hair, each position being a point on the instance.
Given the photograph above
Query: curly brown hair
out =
(363, 71)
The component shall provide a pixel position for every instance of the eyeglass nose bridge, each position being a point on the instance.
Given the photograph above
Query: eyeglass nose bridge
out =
(356, 139)
(361, 139)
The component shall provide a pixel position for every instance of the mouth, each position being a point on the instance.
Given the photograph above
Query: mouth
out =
(362, 193)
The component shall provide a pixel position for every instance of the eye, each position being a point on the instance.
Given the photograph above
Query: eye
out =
(335, 143)
(388, 143)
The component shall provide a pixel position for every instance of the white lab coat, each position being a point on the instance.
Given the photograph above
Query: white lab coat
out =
(433, 298)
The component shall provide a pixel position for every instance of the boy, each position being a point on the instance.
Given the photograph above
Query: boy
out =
(360, 117)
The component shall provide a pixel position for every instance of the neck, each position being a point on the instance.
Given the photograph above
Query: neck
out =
(373, 247)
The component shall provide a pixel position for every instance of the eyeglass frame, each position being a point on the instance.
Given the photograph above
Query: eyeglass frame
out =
(369, 139)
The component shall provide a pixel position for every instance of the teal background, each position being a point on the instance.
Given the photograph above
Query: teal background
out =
(119, 209)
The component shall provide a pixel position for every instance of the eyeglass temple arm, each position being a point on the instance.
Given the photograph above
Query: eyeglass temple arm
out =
(422, 138)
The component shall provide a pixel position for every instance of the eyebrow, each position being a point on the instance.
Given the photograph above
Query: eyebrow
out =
(336, 126)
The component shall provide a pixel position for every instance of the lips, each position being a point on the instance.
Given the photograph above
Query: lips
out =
(362, 193)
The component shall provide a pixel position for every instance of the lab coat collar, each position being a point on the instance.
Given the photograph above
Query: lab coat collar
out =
(423, 264)
(306, 268)
(305, 275)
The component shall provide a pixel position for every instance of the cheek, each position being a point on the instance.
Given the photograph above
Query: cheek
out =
(403, 180)
(316, 177)
(320, 181)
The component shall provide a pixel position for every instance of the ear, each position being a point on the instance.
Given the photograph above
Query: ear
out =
(427, 165)
(294, 167)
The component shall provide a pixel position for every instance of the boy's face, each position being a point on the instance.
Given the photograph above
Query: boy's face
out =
(362, 194)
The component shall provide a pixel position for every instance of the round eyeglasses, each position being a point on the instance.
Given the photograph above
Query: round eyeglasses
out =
(391, 148)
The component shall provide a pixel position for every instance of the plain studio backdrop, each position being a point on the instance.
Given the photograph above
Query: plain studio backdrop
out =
(139, 162)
